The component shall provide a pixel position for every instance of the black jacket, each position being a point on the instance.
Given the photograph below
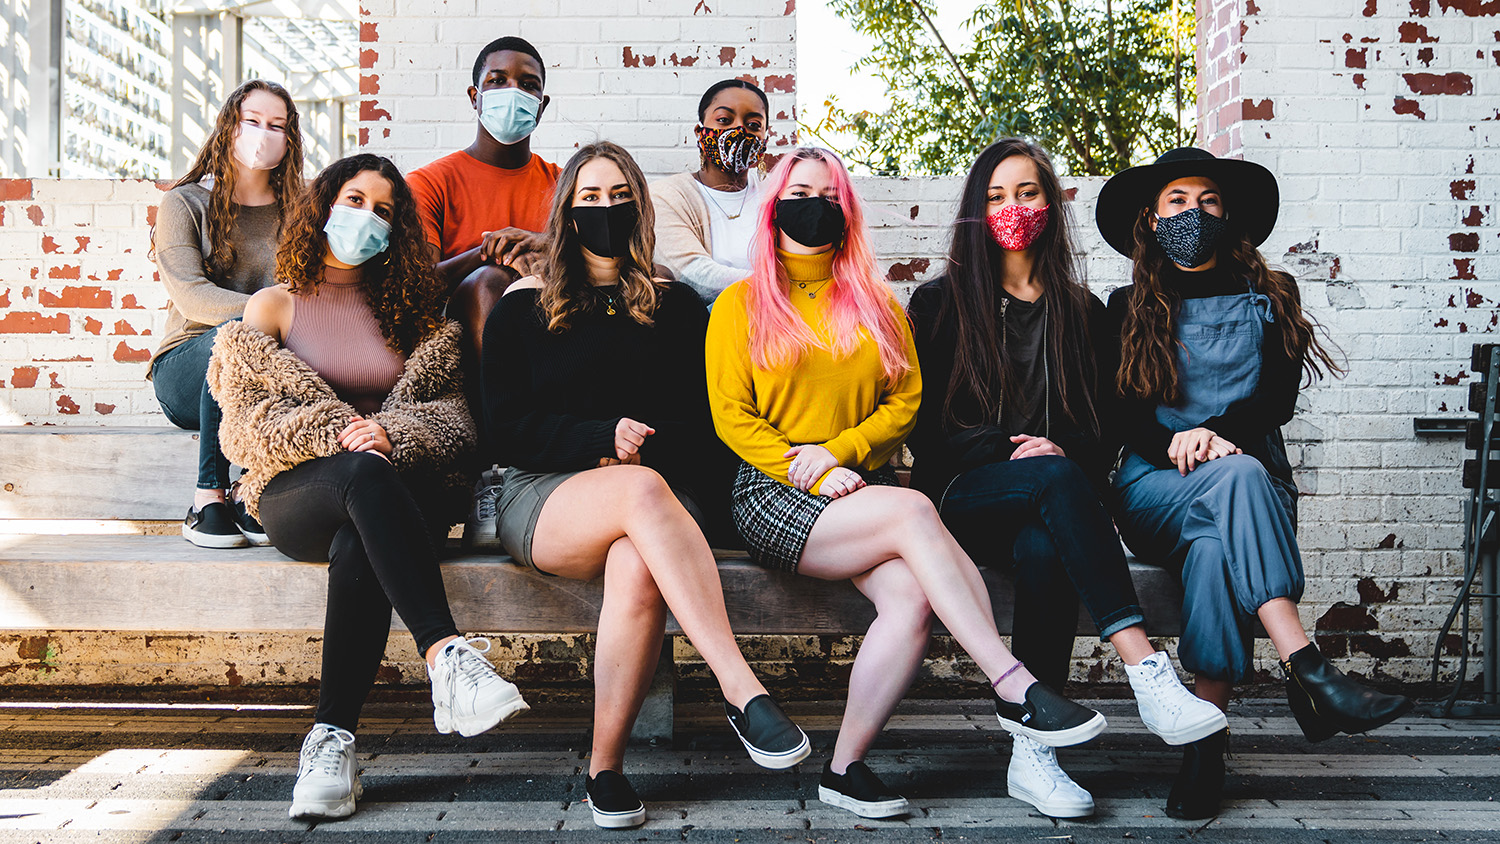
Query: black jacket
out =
(943, 451)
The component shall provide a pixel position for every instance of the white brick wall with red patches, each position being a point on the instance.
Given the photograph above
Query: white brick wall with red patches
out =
(1381, 119)
(81, 309)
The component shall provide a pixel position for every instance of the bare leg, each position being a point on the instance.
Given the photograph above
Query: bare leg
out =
(1132, 644)
(631, 624)
(879, 523)
(1283, 625)
(634, 502)
(887, 661)
(1215, 692)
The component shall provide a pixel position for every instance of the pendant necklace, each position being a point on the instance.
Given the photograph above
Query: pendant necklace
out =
(744, 196)
(813, 294)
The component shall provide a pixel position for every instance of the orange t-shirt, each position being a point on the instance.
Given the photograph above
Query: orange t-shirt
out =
(459, 198)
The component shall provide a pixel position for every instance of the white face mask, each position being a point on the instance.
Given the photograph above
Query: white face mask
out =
(508, 114)
(257, 148)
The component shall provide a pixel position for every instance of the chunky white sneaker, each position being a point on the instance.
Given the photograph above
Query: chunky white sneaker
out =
(467, 694)
(327, 783)
(1035, 777)
(1169, 709)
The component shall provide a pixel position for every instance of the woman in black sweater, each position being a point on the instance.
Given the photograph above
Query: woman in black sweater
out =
(595, 396)
(1212, 345)
(1008, 445)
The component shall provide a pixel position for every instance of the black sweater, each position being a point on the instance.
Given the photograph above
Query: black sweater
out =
(1253, 423)
(943, 450)
(552, 400)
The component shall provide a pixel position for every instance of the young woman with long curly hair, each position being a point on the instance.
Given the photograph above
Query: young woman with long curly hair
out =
(343, 399)
(215, 244)
(813, 382)
(594, 396)
(1009, 446)
(1213, 347)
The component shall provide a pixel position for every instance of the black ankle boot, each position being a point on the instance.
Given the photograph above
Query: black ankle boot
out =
(1326, 701)
(1200, 781)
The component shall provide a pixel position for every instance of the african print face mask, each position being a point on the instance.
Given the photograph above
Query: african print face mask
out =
(1190, 238)
(732, 150)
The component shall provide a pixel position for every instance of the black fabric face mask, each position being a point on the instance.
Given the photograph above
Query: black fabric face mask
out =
(813, 221)
(1190, 238)
(606, 232)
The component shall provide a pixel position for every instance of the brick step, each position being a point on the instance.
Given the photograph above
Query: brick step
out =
(132, 473)
(163, 583)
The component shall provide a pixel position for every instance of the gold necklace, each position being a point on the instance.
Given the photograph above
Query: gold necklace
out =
(802, 285)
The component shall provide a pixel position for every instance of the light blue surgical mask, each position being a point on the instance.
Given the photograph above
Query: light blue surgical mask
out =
(356, 235)
(508, 114)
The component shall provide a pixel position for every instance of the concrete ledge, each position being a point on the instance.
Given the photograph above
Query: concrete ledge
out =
(162, 583)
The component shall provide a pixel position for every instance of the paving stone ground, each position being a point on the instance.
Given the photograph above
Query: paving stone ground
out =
(123, 774)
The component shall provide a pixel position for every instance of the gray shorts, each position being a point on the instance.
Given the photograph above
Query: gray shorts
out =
(519, 505)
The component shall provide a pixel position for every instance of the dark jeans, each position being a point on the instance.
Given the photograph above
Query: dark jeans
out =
(180, 378)
(1041, 516)
(354, 511)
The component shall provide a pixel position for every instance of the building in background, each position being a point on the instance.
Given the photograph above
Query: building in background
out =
(130, 88)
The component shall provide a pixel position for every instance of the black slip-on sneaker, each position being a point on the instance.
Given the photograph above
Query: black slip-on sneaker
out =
(213, 527)
(771, 738)
(1048, 718)
(859, 791)
(249, 526)
(614, 803)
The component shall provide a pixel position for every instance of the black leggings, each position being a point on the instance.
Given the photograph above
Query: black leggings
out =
(354, 511)
(1042, 516)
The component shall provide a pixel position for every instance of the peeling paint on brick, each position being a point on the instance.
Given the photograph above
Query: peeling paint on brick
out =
(103, 409)
(367, 59)
(1463, 242)
(1263, 110)
(726, 56)
(12, 189)
(33, 323)
(124, 328)
(125, 354)
(24, 376)
(1356, 58)
(1475, 217)
(1412, 32)
(1454, 84)
(129, 301)
(34, 214)
(66, 406)
(781, 84)
(72, 271)
(49, 246)
(1461, 188)
(1369, 8)
(1406, 106)
(76, 297)
(908, 270)
(369, 83)
(371, 110)
(683, 61)
(91, 325)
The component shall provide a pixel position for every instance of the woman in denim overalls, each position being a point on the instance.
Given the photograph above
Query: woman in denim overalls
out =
(1213, 348)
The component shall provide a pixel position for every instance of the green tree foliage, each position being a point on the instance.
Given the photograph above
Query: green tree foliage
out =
(1100, 83)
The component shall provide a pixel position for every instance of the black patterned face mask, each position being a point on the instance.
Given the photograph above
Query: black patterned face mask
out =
(1190, 238)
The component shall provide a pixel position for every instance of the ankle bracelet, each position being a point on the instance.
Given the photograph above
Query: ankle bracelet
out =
(1009, 671)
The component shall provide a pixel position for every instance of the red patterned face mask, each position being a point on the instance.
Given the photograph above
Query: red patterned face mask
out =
(1016, 227)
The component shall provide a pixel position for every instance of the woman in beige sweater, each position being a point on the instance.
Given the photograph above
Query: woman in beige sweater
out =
(704, 219)
(343, 399)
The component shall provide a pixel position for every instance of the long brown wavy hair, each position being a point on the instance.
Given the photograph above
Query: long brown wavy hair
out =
(401, 283)
(565, 279)
(1148, 367)
(974, 266)
(216, 159)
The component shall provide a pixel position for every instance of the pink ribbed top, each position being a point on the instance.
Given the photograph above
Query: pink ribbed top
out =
(336, 333)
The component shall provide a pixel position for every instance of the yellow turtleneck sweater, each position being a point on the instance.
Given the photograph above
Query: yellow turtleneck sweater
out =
(844, 404)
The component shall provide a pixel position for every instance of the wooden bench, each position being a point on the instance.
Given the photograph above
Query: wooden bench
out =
(164, 584)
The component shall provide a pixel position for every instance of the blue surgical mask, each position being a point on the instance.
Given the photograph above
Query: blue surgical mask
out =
(508, 114)
(356, 235)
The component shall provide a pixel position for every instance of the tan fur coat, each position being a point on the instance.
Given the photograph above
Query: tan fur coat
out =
(279, 413)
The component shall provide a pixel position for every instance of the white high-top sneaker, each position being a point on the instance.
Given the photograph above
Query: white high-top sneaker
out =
(327, 782)
(467, 694)
(1036, 778)
(1168, 708)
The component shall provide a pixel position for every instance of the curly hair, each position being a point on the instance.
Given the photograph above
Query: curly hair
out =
(565, 279)
(1148, 367)
(216, 159)
(402, 287)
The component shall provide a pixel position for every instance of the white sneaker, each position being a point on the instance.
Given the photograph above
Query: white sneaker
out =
(467, 694)
(1036, 778)
(327, 783)
(1169, 709)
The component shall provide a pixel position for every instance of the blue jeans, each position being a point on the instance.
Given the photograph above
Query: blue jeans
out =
(1231, 529)
(1042, 517)
(180, 378)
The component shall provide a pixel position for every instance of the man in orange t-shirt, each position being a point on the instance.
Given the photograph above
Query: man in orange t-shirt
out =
(484, 206)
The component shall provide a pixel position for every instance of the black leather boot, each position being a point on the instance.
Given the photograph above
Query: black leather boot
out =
(1200, 781)
(1326, 701)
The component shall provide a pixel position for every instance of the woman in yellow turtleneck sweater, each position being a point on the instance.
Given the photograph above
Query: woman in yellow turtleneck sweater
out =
(813, 382)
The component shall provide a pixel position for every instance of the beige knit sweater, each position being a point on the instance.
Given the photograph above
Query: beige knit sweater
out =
(683, 242)
(279, 413)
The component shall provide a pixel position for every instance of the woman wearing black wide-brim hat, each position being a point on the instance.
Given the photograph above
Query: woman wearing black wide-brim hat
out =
(1213, 347)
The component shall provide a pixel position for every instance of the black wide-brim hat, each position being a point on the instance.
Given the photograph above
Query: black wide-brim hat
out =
(1251, 197)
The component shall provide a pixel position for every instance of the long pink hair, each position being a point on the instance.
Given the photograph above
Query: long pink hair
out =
(858, 299)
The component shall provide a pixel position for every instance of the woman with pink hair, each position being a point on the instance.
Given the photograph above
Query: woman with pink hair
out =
(813, 382)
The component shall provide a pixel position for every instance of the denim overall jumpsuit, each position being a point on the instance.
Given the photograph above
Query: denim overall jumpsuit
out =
(1228, 524)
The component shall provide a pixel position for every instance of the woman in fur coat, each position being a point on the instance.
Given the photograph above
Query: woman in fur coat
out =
(343, 399)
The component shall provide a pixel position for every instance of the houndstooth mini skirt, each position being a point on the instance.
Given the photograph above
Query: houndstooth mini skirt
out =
(775, 519)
